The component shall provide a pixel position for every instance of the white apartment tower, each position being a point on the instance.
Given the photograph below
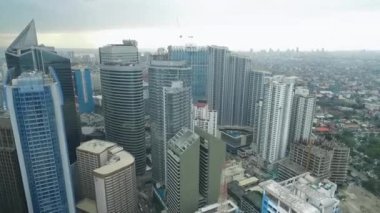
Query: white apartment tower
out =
(302, 115)
(274, 113)
(205, 118)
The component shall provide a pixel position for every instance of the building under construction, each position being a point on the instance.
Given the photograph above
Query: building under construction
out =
(324, 159)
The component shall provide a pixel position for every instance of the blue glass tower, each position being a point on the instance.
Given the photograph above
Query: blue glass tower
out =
(35, 106)
(24, 54)
(197, 58)
(83, 90)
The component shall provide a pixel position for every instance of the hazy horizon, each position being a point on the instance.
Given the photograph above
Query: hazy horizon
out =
(240, 25)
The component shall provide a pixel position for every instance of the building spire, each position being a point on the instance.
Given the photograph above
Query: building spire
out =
(26, 39)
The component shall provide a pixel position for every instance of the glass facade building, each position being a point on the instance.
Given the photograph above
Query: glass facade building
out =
(161, 76)
(197, 58)
(35, 105)
(24, 54)
(12, 198)
(83, 90)
(121, 77)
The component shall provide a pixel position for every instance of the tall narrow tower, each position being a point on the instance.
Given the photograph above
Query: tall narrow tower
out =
(170, 102)
(302, 115)
(274, 117)
(24, 54)
(35, 105)
(123, 102)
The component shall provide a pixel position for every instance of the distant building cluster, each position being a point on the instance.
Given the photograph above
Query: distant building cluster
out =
(190, 129)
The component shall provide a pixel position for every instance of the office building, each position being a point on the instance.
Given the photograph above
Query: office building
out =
(274, 118)
(255, 94)
(234, 91)
(197, 58)
(236, 137)
(162, 74)
(96, 83)
(24, 54)
(215, 71)
(212, 157)
(125, 53)
(83, 89)
(177, 108)
(12, 197)
(205, 118)
(122, 99)
(35, 104)
(183, 172)
(303, 109)
(303, 193)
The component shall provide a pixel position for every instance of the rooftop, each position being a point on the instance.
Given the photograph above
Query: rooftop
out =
(87, 205)
(95, 146)
(285, 195)
(182, 140)
(118, 161)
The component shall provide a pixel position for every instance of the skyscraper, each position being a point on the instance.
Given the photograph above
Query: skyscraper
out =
(171, 107)
(24, 54)
(302, 115)
(35, 105)
(274, 118)
(234, 91)
(107, 174)
(83, 89)
(197, 58)
(12, 197)
(123, 103)
(183, 172)
(217, 61)
(255, 93)
(211, 161)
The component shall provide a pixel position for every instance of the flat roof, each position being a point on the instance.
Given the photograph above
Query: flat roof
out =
(95, 146)
(117, 162)
(248, 181)
(285, 195)
(87, 205)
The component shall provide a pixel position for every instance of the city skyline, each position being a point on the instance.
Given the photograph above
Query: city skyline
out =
(241, 26)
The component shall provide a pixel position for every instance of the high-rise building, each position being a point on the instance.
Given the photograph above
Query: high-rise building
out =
(125, 53)
(12, 197)
(123, 103)
(274, 118)
(211, 161)
(217, 62)
(24, 54)
(303, 109)
(165, 123)
(255, 94)
(35, 105)
(197, 58)
(205, 118)
(234, 91)
(339, 163)
(91, 155)
(83, 90)
(107, 175)
(183, 172)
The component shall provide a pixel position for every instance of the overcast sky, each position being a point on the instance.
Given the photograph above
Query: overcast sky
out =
(238, 24)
